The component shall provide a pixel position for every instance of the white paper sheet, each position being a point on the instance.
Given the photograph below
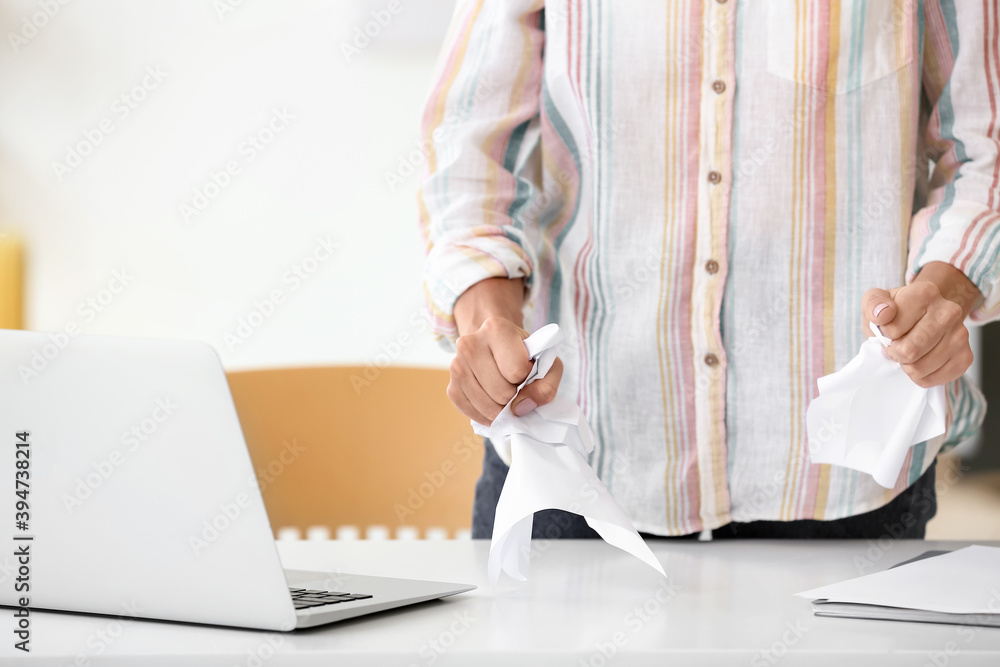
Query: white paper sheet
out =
(869, 413)
(546, 450)
(966, 581)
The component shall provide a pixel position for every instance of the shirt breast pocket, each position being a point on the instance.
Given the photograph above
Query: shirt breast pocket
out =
(843, 46)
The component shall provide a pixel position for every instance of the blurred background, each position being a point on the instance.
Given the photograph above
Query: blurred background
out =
(243, 172)
(118, 121)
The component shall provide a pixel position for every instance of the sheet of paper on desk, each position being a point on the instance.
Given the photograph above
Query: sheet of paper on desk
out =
(546, 450)
(966, 581)
(870, 413)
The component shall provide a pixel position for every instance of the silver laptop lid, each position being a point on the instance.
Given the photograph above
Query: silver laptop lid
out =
(141, 496)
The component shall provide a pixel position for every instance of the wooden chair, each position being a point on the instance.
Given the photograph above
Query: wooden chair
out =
(11, 282)
(359, 446)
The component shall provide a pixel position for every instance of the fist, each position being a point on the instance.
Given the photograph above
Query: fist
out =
(489, 364)
(929, 337)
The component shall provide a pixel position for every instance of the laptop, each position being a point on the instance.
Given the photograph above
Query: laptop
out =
(139, 496)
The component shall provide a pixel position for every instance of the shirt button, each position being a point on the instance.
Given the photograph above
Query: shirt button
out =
(714, 177)
(719, 86)
(711, 360)
(712, 266)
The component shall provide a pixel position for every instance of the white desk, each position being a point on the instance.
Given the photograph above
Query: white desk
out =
(730, 603)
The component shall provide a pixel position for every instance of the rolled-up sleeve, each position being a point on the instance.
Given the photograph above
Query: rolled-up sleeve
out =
(479, 123)
(961, 79)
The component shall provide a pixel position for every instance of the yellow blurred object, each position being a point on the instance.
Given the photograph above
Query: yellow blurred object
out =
(359, 446)
(11, 282)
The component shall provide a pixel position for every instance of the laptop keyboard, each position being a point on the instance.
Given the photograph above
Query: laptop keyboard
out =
(305, 598)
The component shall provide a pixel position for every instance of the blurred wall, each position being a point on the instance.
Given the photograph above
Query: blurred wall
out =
(216, 169)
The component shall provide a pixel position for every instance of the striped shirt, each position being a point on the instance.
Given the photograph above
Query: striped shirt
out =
(699, 192)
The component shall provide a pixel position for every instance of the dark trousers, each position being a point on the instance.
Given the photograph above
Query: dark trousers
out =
(905, 517)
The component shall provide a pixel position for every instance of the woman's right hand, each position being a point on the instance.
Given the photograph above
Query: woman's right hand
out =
(491, 360)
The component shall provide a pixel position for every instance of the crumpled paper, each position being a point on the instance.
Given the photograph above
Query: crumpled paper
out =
(869, 413)
(546, 450)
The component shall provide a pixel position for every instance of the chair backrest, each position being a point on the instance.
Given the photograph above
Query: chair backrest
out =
(11, 282)
(359, 446)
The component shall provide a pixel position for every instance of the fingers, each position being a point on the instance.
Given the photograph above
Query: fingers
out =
(540, 391)
(877, 306)
(940, 323)
(946, 361)
(912, 303)
(929, 338)
(507, 348)
(489, 364)
(457, 396)
(951, 371)
(477, 357)
(461, 388)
